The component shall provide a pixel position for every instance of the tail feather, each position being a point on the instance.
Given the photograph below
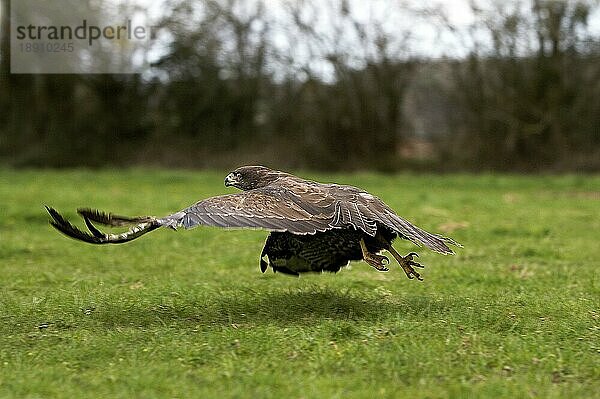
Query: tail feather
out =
(144, 225)
(436, 242)
(419, 236)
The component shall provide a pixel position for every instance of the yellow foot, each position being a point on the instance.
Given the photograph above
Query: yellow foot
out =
(407, 263)
(377, 261)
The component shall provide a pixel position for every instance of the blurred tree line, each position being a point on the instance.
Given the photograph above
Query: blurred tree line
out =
(326, 85)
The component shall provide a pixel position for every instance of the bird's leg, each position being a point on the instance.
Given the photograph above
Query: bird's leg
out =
(407, 263)
(377, 261)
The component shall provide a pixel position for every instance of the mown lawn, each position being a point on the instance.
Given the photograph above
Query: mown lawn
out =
(516, 313)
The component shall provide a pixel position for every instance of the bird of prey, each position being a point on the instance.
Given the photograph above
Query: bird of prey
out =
(313, 227)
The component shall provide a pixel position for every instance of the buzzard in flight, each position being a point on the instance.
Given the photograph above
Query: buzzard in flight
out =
(314, 227)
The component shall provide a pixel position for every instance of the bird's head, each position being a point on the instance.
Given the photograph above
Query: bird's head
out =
(251, 177)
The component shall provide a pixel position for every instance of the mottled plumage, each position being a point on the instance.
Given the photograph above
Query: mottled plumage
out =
(314, 227)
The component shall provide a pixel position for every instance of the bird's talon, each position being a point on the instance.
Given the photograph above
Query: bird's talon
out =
(378, 266)
(376, 261)
(407, 263)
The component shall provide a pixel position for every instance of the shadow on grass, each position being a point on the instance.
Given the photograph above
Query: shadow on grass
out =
(306, 307)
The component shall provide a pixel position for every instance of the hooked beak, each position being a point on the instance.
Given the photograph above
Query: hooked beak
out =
(230, 180)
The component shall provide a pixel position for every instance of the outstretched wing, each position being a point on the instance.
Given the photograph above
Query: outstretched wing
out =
(290, 205)
(273, 208)
(304, 207)
(287, 205)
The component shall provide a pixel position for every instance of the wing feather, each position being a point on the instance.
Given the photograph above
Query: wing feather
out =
(303, 207)
(261, 208)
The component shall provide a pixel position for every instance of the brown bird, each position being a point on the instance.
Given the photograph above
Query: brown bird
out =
(314, 227)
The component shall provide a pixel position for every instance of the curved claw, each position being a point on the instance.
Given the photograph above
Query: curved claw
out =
(411, 254)
(378, 262)
(412, 274)
(416, 264)
(407, 264)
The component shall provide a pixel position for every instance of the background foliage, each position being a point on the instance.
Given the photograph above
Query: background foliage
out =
(521, 94)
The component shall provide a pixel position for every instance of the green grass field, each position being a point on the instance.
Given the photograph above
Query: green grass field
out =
(516, 313)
